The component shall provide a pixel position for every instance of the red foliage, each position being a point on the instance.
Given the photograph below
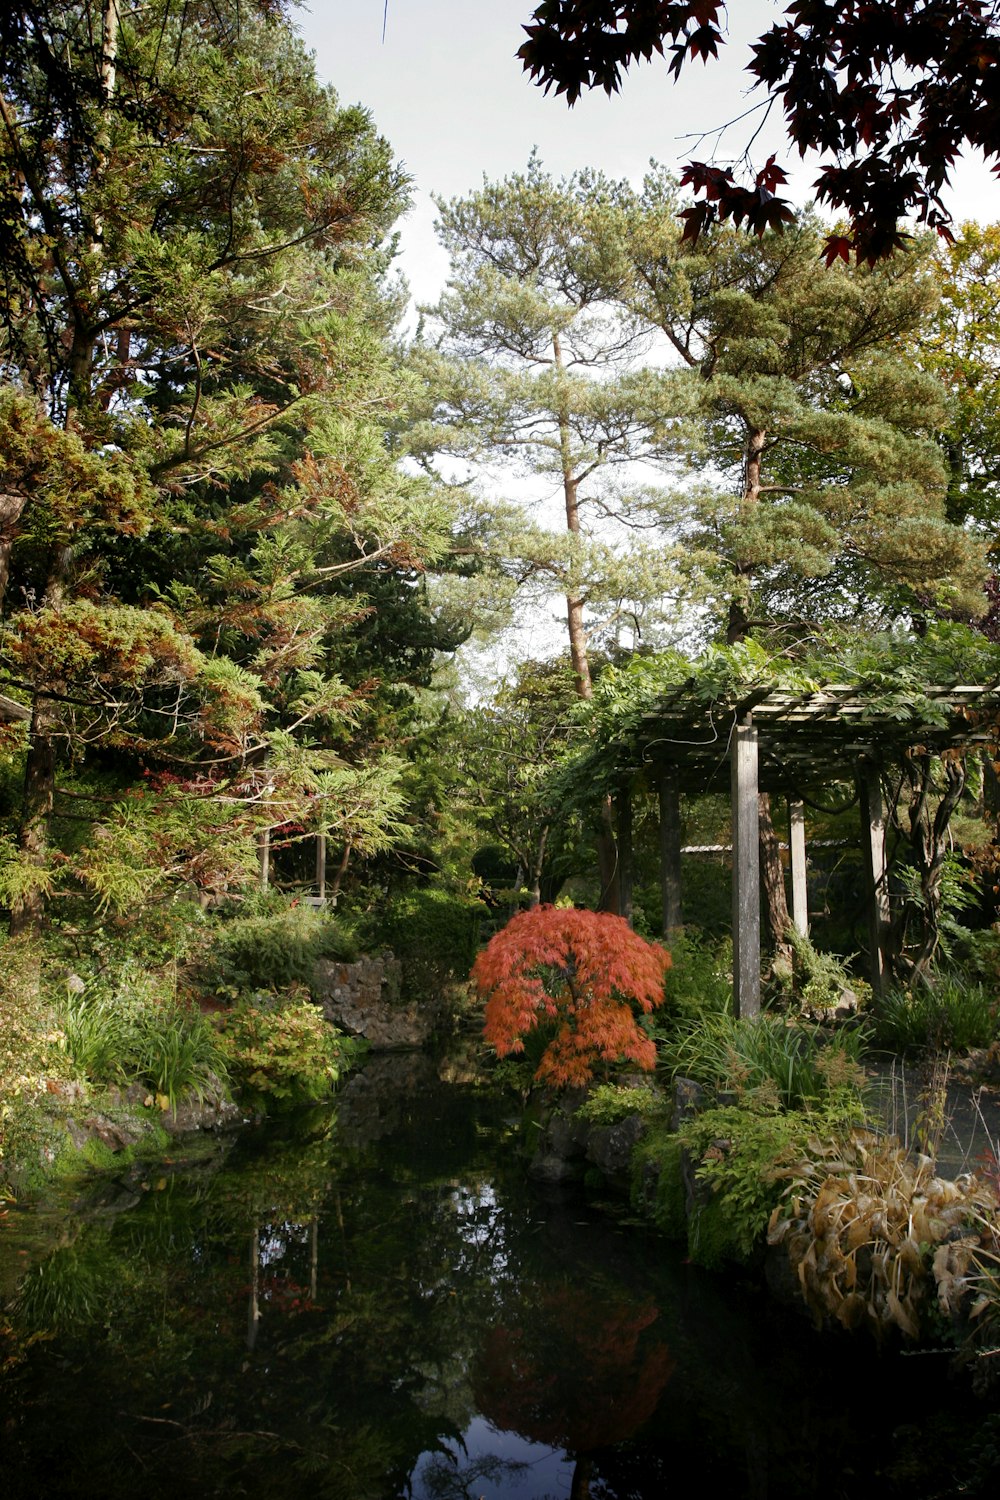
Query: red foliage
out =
(582, 970)
(610, 1373)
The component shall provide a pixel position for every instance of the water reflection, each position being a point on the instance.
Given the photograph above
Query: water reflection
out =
(374, 1304)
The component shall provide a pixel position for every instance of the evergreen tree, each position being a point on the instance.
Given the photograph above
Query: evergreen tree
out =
(192, 453)
(823, 491)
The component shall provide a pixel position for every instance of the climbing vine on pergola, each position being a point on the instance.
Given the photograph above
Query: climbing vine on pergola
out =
(895, 716)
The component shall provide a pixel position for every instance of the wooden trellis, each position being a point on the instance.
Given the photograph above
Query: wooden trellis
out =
(793, 744)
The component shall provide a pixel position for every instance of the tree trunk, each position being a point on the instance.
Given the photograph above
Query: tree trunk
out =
(607, 849)
(772, 875)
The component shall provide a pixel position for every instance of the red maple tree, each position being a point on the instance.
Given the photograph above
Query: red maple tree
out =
(584, 972)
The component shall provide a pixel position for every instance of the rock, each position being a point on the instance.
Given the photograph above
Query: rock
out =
(211, 1112)
(689, 1100)
(610, 1147)
(97, 1127)
(548, 1167)
(362, 999)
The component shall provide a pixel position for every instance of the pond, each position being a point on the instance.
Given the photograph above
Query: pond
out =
(374, 1301)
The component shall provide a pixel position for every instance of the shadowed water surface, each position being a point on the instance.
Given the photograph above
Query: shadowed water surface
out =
(372, 1302)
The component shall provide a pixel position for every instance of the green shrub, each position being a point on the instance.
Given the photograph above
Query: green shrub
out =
(98, 1036)
(765, 1056)
(433, 933)
(270, 949)
(285, 1051)
(954, 1015)
(700, 979)
(738, 1155)
(177, 1052)
(819, 979)
(170, 1048)
(610, 1102)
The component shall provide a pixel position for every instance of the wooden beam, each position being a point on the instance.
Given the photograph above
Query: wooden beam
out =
(746, 871)
(670, 854)
(876, 878)
(797, 849)
(625, 851)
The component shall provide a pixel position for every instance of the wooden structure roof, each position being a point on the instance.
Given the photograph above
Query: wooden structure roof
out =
(806, 739)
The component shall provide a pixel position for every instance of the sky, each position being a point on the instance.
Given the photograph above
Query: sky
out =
(446, 89)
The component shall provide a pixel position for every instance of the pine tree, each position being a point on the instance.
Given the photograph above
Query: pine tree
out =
(192, 446)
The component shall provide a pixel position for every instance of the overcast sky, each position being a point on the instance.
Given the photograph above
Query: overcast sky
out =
(446, 89)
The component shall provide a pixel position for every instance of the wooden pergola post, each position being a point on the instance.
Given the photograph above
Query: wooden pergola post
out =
(746, 870)
(625, 863)
(321, 868)
(264, 850)
(670, 853)
(797, 849)
(876, 878)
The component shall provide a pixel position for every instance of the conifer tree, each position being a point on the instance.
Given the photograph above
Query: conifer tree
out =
(534, 373)
(823, 490)
(192, 449)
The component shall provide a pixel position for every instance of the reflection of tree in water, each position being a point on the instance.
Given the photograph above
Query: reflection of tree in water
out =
(579, 1369)
(443, 1479)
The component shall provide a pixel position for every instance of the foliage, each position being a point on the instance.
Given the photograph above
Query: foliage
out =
(433, 932)
(178, 1053)
(818, 980)
(734, 1152)
(270, 949)
(581, 971)
(876, 1238)
(892, 91)
(823, 489)
(171, 1048)
(953, 1013)
(765, 1059)
(534, 367)
(283, 1050)
(199, 502)
(609, 1103)
(700, 979)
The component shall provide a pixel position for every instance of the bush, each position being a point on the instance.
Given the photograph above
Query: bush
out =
(609, 1103)
(433, 933)
(875, 1238)
(270, 949)
(954, 1015)
(285, 1051)
(818, 979)
(700, 981)
(736, 1155)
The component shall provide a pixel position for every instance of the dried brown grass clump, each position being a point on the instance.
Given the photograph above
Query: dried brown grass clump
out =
(876, 1238)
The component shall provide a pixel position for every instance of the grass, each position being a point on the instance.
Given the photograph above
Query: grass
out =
(168, 1047)
(740, 1057)
(955, 1015)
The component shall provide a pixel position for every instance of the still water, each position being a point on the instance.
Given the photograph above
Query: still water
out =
(372, 1302)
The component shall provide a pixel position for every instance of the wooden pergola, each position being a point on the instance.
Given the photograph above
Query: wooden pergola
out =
(790, 744)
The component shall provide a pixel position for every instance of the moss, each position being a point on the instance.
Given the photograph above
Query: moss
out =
(658, 1189)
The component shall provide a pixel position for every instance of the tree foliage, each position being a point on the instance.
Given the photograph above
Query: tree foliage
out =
(197, 501)
(581, 973)
(892, 90)
(797, 390)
